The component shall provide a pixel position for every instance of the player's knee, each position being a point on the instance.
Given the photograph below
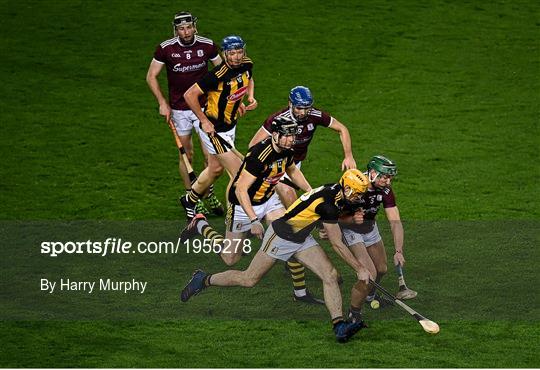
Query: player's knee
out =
(289, 192)
(229, 259)
(331, 276)
(216, 170)
(382, 269)
(372, 270)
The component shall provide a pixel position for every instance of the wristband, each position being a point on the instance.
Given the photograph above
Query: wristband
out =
(256, 219)
(400, 252)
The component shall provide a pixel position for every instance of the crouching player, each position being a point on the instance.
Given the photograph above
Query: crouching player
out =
(290, 236)
(363, 235)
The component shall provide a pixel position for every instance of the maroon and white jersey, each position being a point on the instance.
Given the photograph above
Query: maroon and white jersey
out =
(186, 64)
(306, 129)
(370, 203)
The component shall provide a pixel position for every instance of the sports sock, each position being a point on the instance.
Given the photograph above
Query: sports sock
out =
(207, 281)
(210, 191)
(297, 271)
(208, 232)
(337, 320)
(193, 197)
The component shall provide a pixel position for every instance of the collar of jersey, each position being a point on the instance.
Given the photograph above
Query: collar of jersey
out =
(185, 46)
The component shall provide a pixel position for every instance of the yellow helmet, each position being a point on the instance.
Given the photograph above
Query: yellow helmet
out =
(354, 184)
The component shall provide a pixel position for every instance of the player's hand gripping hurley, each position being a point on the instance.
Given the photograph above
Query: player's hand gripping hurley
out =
(192, 175)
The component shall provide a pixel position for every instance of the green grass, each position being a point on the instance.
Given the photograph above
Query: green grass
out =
(449, 90)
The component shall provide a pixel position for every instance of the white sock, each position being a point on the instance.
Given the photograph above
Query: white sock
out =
(300, 292)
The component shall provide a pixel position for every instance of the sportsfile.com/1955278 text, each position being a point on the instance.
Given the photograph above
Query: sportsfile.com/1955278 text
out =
(119, 246)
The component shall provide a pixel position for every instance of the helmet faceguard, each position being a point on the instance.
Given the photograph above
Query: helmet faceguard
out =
(300, 98)
(283, 126)
(382, 166)
(229, 45)
(183, 19)
(354, 184)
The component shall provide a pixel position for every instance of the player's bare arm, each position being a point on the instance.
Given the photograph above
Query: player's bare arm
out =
(192, 99)
(298, 178)
(151, 79)
(392, 214)
(259, 136)
(252, 103)
(335, 238)
(245, 180)
(345, 137)
(216, 61)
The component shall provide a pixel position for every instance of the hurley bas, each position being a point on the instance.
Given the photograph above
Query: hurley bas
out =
(89, 287)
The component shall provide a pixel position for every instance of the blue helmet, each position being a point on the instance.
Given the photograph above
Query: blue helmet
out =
(232, 42)
(301, 97)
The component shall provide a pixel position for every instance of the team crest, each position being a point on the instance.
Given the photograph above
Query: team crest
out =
(310, 127)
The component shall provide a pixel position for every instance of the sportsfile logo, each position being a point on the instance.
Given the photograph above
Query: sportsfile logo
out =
(238, 94)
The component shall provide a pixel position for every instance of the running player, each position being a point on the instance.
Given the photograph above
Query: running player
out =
(252, 197)
(290, 236)
(225, 87)
(185, 57)
(308, 117)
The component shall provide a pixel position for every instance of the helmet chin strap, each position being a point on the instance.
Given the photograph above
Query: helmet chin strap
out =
(373, 179)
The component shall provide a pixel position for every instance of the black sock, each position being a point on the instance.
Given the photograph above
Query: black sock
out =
(193, 197)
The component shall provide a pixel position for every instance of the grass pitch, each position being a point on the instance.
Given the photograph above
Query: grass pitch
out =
(450, 91)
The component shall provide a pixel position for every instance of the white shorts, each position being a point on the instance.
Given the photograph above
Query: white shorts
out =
(220, 143)
(237, 221)
(352, 237)
(185, 121)
(282, 249)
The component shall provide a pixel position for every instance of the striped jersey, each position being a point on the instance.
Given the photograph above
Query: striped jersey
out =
(185, 64)
(306, 128)
(225, 88)
(323, 204)
(268, 166)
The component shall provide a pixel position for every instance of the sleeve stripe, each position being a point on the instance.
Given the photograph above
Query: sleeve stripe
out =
(221, 71)
(265, 153)
(204, 40)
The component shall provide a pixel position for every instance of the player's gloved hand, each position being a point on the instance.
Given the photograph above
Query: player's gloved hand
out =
(362, 274)
(358, 217)
(257, 228)
(348, 163)
(399, 259)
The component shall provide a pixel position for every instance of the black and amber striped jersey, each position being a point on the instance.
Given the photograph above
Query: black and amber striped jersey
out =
(225, 88)
(323, 204)
(268, 166)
